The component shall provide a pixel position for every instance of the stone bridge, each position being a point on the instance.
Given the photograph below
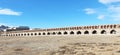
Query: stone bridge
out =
(113, 29)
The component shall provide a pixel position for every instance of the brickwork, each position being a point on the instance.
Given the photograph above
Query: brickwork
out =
(79, 30)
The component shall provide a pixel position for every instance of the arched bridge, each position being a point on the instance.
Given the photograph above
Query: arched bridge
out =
(79, 30)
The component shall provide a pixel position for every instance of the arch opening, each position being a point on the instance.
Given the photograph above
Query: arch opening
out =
(78, 32)
(28, 34)
(35, 34)
(21, 34)
(53, 33)
(59, 33)
(112, 32)
(31, 34)
(39, 33)
(24, 34)
(71, 32)
(15, 35)
(43, 33)
(65, 33)
(94, 32)
(103, 32)
(86, 32)
(48, 33)
(18, 34)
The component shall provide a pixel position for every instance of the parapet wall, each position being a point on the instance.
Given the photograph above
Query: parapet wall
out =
(79, 30)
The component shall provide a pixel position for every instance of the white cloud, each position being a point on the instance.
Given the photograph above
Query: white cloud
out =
(114, 9)
(114, 12)
(108, 1)
(89, 11)
(101, 17)
(109, 12)
(7, 11)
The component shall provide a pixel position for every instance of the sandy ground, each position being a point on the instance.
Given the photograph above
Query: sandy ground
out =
(60, 45)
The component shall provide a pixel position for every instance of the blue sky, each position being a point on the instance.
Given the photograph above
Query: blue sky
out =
(59, 13)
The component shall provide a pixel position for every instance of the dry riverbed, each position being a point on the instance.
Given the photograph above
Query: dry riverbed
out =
(60, 45)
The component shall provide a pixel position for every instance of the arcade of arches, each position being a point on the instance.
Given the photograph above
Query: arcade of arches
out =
(82, 30)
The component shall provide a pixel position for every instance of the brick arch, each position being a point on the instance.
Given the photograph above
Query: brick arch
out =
(28, 34)
(84, 27)
(101, 27)
(21, 35)
(7, 35)
(25, 34)
(86, 32)
(65, 33)
(92, 27)
(78, 32)
(105, 26)
(94, 32)
(108, 26)
(87, 27)
(114, 26)
(31, 34)
(77, 28)
(15, 35)
(43, 33)
(35, 34)
(96, 27)
(111, 26)
(39, 33)
(103, 32)
(113, 32)
(18, 34)
(48, 33)
(53, 33)
(71, 32)
(59, 33)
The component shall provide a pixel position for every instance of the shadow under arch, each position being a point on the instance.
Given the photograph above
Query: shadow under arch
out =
(65, 33)
(86, 32)
(71, 32)
(94, 32)
(39, 33)
(44, 33)
(59, 33)
(103, 32)
(78, 32)
(35, 34)
(112, 32)
(53, 33)
(48, 33)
